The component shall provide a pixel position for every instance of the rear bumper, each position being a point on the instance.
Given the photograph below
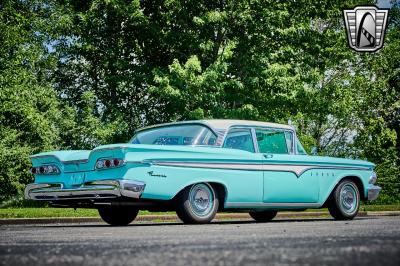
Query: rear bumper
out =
(101, 189)
(373, 192)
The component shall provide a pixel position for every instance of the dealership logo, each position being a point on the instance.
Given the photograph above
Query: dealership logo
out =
(366, 27)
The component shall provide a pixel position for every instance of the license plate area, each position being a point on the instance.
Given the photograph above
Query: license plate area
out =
(77, 179)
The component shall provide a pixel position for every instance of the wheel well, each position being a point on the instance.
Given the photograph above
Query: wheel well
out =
(358, 183)
(219, 188)
(221, 192)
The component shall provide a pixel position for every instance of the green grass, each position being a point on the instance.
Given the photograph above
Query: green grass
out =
(46, 212)
(380, 207)
(8, 213)
(68, 212)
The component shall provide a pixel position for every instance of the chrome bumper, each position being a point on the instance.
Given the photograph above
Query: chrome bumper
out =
(101, 189)
(373, 192)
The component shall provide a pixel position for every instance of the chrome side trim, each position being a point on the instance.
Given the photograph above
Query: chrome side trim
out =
(80, 161)
(297, 169)
(277, 204)
(44, 156)
(58, 158)
(90, 190)
(76, 161)
(110, 148)
(373, 192)
(216, 165)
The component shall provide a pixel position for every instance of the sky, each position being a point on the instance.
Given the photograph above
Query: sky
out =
(384, 3)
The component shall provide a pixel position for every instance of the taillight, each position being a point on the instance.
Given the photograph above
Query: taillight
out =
(109, 163)
(45, 170)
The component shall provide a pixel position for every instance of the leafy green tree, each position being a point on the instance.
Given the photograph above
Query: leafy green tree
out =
(32, 119)
(28, 105)
(76, 74)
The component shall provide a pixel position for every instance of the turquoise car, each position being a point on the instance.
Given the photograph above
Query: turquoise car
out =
(198, 168)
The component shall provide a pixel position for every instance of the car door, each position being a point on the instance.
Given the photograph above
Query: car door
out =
(246, 184)
(281, 183)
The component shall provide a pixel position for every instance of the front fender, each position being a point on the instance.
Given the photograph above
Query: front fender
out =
(327, 186)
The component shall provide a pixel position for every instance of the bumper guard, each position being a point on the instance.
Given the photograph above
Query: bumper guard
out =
(373, 192)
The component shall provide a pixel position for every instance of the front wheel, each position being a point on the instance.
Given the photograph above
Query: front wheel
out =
(263, 216)
(117, 215)
(197, 204)
(344, 201)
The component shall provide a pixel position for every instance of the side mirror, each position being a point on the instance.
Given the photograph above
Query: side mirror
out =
(314, 151)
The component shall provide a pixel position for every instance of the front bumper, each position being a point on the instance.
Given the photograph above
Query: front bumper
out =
(101, 189)
(373, 192)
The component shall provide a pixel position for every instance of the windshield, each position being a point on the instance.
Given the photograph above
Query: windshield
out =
(193, 134)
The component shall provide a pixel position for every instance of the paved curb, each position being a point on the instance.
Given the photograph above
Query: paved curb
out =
(174, 218)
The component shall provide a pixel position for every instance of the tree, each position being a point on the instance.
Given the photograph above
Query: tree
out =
(104, 68)
(28, 105)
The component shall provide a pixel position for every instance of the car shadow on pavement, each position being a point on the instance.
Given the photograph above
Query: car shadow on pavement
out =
(218, 222)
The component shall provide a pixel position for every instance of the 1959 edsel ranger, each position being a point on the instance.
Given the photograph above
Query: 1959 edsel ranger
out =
(200, 167)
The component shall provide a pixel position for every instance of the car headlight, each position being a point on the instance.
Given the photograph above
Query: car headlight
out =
(372, 178)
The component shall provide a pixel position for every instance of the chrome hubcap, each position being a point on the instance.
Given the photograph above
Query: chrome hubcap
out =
(348, 198)
(201, 199)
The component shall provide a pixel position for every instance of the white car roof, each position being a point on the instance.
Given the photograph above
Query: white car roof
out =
(224, 124)
(227, 123)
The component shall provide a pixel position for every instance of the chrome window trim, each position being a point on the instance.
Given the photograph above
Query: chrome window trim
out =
(255, 143)
(254, 128)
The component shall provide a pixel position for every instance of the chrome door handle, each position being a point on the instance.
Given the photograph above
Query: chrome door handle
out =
(268, 156)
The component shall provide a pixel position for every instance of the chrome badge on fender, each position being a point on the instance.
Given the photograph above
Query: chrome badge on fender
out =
(365, 27)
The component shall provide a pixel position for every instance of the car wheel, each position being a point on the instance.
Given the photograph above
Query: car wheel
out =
(118, 216)
(263, 216)
(344, 201)
(197, 204)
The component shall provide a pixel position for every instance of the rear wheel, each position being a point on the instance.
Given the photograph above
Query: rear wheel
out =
(344, 201)
(197, 204)
(263, 216)
(117, 215)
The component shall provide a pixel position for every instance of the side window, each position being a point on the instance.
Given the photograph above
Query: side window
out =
(239, 138)
(272, 141)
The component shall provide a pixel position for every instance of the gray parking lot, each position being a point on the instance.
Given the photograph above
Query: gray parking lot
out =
(364, 241)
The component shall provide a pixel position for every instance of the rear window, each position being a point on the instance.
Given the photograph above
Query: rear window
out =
(191, 134)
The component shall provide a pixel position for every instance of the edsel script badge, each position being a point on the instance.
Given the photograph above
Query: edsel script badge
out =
(366, 27)
(151, 173)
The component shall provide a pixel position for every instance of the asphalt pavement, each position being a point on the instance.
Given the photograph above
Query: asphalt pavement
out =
(363, 241)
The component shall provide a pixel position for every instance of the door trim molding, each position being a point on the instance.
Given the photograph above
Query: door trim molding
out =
(277, 204)
(297, 169)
